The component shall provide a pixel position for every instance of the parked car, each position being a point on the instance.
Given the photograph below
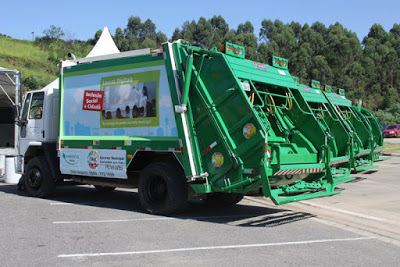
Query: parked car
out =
(392, 131)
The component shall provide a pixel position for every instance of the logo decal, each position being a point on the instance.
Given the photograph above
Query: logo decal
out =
(93, 158)
(71, 159)
(260, 66)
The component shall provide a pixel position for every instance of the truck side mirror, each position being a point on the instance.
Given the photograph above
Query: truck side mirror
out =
(16, 111)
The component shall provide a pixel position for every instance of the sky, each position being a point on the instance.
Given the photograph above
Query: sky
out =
(81, 19)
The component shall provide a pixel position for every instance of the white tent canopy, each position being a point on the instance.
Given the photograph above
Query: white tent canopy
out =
(104, 46)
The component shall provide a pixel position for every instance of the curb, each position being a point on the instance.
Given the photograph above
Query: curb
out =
(392, 154)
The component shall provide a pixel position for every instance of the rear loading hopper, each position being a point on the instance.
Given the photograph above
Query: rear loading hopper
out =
(367, 144)
(242, 139)
(373, 126)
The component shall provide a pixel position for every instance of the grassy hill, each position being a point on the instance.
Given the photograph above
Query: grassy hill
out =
(37, 60)
(27, 58)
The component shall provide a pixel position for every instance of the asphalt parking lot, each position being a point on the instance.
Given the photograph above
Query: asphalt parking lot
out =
(81, 226)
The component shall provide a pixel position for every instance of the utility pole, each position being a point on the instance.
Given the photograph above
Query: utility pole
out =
(33, 36)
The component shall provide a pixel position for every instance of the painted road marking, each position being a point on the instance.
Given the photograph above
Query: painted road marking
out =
(364, 216)
(294, 243)
(76, 203)
(157, 219)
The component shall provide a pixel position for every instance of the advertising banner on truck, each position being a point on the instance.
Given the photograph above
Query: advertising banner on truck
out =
(130, 100)
(89, 162)
(118, 101)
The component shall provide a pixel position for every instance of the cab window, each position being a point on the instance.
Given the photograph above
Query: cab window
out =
(36, 109)
(24, 113)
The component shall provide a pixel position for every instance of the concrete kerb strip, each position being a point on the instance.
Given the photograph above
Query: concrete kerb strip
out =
(392, 154)
(328, 215)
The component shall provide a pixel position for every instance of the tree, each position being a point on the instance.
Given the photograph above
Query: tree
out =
(53, 32)
(319, 28)
(219, 29)
(391, 97)
(301, 63)
(203, 32)
(138, 35)
(249, 41)
(247, 27)
(320, 70)
(96, 37)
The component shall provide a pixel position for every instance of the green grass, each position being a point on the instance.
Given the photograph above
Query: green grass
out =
(391, 148)
(29, 59)
(41, 62)
(22, 49)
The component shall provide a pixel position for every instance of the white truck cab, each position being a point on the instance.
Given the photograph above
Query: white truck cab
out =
(38, 130)
(39, 118)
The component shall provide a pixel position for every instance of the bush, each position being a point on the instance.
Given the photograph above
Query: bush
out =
(31, 82)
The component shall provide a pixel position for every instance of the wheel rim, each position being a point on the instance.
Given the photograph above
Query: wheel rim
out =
(35, 178)
(157, 189)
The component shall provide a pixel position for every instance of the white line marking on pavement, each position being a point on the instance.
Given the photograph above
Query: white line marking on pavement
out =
(365, 232)
(349, 212)
(158, 219)
(210, 248)
(113, 221)
(75, 203)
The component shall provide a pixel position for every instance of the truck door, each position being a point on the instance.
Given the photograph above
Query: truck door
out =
(31, 129)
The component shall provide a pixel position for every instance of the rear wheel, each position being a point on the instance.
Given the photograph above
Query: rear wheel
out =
(223, 199)
(37, 178)
(162, 189)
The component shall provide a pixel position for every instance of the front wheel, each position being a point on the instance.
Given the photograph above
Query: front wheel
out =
(162, 189)
(38, 181)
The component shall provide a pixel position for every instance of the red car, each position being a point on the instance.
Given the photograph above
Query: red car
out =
(392, 131)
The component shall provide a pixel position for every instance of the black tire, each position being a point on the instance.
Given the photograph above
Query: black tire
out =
(104, 189)
(162, 189)
(38, 181)
(223, 199)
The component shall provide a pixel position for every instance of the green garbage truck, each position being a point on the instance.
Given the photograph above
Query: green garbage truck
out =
(367, 140)
(179, 123)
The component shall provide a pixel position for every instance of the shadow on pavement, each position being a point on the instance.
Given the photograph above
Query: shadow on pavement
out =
(243, 214)
(370, 172)
(356, 180)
